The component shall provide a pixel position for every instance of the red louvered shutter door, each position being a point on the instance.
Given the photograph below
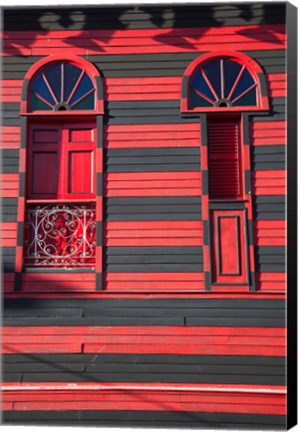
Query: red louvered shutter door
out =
(223, 158)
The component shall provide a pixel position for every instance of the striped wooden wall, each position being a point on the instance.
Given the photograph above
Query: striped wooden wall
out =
(152, 347)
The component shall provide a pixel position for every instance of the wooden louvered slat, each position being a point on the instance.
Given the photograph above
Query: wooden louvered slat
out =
(223, 158)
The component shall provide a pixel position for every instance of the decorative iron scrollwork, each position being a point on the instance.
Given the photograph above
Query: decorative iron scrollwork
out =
(60, 235)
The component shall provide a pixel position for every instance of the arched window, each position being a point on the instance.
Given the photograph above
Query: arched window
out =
(223, 89)
(62, 111)
(62, 86)
(224, 82)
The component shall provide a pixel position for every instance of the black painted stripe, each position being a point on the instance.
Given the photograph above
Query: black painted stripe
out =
(144, 367)
(153, 259)
(269, 151)
(269, 207)
(9, 217)
(140, 108)
(151, 159)
(10, 153)
(147, 418)
(153, 208)
(169, 119)
(145, 373)
(47, 361)
(166, 16)
(9, 203)
(223, 304)
(134, 312)
(268, 157)
(271, 258)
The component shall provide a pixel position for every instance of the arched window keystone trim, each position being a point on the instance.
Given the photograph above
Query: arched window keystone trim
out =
(224, 81)
(67, 85)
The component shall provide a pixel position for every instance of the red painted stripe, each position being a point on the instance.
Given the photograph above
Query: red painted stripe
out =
(8, 242)
(44, 285)
(270, 232)
(132, 128)
(268, 126)
(155, 241)
(158, 340)
(271, 241)
(143, 396)
(151, 233)
(8, 287)
(58, 277)
(269, 294)
(127, 225)
(145, 40)
(153, 176)
(269, 176)
(153, 331)
(6, 226)
(154, 281)
(162, 136)
(264, 141)
(144, 401)
(9, 177)
(149, 286)
(272, 286)
(274, 224)
(142, 33)
(9, 193)
(8, 277)
(6, 184)
(271, 281)
(270, 190)
(272, 277)
(172, 277)
(153, 185)
(178, 142)
(178, 191)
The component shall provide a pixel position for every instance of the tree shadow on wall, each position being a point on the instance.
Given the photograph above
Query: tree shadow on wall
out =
(108, 20)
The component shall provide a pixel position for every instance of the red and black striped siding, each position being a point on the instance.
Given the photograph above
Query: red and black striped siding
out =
(152, 234)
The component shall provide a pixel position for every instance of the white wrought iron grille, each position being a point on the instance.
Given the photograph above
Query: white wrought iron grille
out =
(60, 235)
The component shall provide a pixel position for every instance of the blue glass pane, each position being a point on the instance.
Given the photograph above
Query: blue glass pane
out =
(37, 104)
(53, 75)
(244, 83)
(84, 86)
(71, 75)
(231, 72)
(248, 99)
(86, 103)
(40, 87)
(196, 101)
(212, 70)
(198, 82)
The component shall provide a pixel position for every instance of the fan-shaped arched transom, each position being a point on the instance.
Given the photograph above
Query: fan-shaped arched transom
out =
(222, 82)
(62, 86)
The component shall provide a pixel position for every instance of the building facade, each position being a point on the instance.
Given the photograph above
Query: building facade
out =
(144, 226)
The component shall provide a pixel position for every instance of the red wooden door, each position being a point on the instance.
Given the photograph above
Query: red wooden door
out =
(61, 190)
(229, 250)
(61, 162)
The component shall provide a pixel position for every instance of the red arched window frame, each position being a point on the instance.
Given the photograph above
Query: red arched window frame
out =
(65, 120)
(252, 66)
(83, 64)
